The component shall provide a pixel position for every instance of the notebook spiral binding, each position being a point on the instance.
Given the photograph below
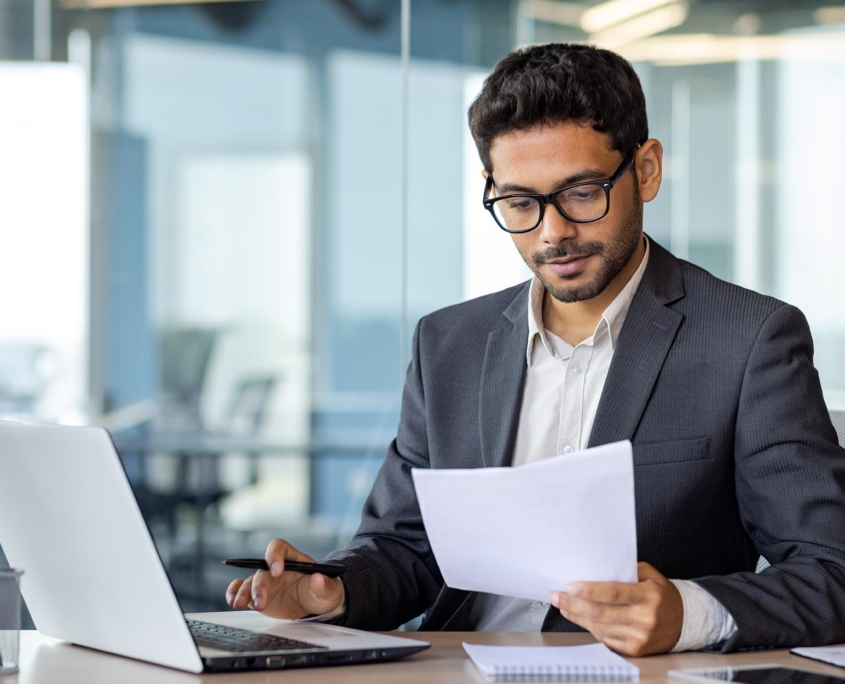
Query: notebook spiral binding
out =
(569, 673)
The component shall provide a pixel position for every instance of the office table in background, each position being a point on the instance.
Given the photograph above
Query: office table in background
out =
(45, 660)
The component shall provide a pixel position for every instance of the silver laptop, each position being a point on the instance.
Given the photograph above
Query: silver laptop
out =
(93, 576)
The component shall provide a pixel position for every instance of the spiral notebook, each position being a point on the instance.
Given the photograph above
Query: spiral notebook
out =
(590, 663)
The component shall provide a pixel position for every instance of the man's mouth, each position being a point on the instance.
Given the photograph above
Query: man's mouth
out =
(568, 265)
(567, 259)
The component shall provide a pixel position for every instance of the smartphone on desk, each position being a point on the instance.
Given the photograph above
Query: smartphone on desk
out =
(755, 674)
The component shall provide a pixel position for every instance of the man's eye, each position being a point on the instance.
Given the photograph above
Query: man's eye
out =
(520, 204)
(581, 195)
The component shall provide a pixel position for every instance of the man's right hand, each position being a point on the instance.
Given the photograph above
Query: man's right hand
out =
(287, 595)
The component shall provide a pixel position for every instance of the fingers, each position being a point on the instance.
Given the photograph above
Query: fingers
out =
(602, 619)
(616, 592)
(239, 593)
(582, 610)
(629, 643)
(278, 551)
(605, 592)
(632, 619)
(628, 630)
(285, 594)
(232, 590)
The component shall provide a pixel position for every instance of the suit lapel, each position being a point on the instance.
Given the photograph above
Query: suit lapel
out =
(502, 382)
(647, 335)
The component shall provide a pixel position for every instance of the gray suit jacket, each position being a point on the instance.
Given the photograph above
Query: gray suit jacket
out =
(734, 454)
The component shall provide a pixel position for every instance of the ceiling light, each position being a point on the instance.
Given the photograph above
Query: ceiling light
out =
(565, 13)
(609, 13)
(643, 26)
(705, 48)
(701, 48)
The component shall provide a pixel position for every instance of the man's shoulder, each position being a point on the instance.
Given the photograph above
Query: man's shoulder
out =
(720, 297)
(713, 306)
(695, 289)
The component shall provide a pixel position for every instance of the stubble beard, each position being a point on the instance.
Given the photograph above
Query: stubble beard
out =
(614, 256)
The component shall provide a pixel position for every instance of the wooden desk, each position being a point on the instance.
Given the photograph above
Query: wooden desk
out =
(45, 660)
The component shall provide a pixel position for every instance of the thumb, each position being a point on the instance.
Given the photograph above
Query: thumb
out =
(326, 589)
(646, 571)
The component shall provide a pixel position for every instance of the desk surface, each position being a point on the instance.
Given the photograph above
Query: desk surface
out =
(47, 660)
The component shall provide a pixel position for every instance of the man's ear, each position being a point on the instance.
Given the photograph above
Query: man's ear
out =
(649, 165)
(484, 174)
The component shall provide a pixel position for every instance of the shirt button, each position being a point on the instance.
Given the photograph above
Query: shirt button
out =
(576, 369)
(567, 449)
(544, 605)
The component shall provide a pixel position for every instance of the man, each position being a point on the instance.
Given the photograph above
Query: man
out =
(734, 452)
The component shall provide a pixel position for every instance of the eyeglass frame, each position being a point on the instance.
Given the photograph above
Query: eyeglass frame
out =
(606, 184)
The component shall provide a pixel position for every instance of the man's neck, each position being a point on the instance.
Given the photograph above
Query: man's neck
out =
(574, 322)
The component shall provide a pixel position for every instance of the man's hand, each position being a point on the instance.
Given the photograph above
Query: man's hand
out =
(288, 595)
(632, 619)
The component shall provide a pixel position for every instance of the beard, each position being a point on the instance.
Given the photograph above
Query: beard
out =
(613, 255)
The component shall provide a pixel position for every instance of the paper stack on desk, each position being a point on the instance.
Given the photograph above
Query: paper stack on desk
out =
(530, 530)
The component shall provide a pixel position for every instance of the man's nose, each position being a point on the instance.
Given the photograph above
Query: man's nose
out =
(555, 227)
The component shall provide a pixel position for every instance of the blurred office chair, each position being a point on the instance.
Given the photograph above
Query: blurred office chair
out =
(199, 486)
(199, 477)
(185, 356)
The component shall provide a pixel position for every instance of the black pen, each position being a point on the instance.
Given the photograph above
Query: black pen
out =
(327, 568)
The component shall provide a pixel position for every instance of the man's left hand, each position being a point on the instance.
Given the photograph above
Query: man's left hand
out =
(632, 619)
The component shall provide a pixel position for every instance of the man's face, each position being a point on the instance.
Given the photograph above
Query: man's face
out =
(575, 261)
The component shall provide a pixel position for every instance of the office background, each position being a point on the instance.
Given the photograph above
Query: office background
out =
(221, 221)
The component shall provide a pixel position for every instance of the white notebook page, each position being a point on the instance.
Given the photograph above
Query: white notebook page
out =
(569, 662)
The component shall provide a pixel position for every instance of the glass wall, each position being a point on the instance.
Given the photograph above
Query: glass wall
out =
(221, 222)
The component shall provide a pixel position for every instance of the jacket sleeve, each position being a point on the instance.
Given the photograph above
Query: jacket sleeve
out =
(391, 574)
(790, 484)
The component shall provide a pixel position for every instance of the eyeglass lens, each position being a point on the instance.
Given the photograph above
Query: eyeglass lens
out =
(581, 203)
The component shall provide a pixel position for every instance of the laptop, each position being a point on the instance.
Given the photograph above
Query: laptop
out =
(93, 576)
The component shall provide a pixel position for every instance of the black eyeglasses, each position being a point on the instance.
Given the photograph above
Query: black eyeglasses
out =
(580, 202)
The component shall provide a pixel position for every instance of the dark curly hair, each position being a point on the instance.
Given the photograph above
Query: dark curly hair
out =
(556, 82)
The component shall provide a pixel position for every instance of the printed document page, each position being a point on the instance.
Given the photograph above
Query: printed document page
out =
(530, 530)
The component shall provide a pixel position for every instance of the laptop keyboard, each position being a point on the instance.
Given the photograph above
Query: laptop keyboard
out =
(242, 640)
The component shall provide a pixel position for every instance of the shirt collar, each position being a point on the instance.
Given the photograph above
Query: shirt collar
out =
(613, 316)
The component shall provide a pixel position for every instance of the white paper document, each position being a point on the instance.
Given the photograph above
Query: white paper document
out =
(531, 530)
(835, 655)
